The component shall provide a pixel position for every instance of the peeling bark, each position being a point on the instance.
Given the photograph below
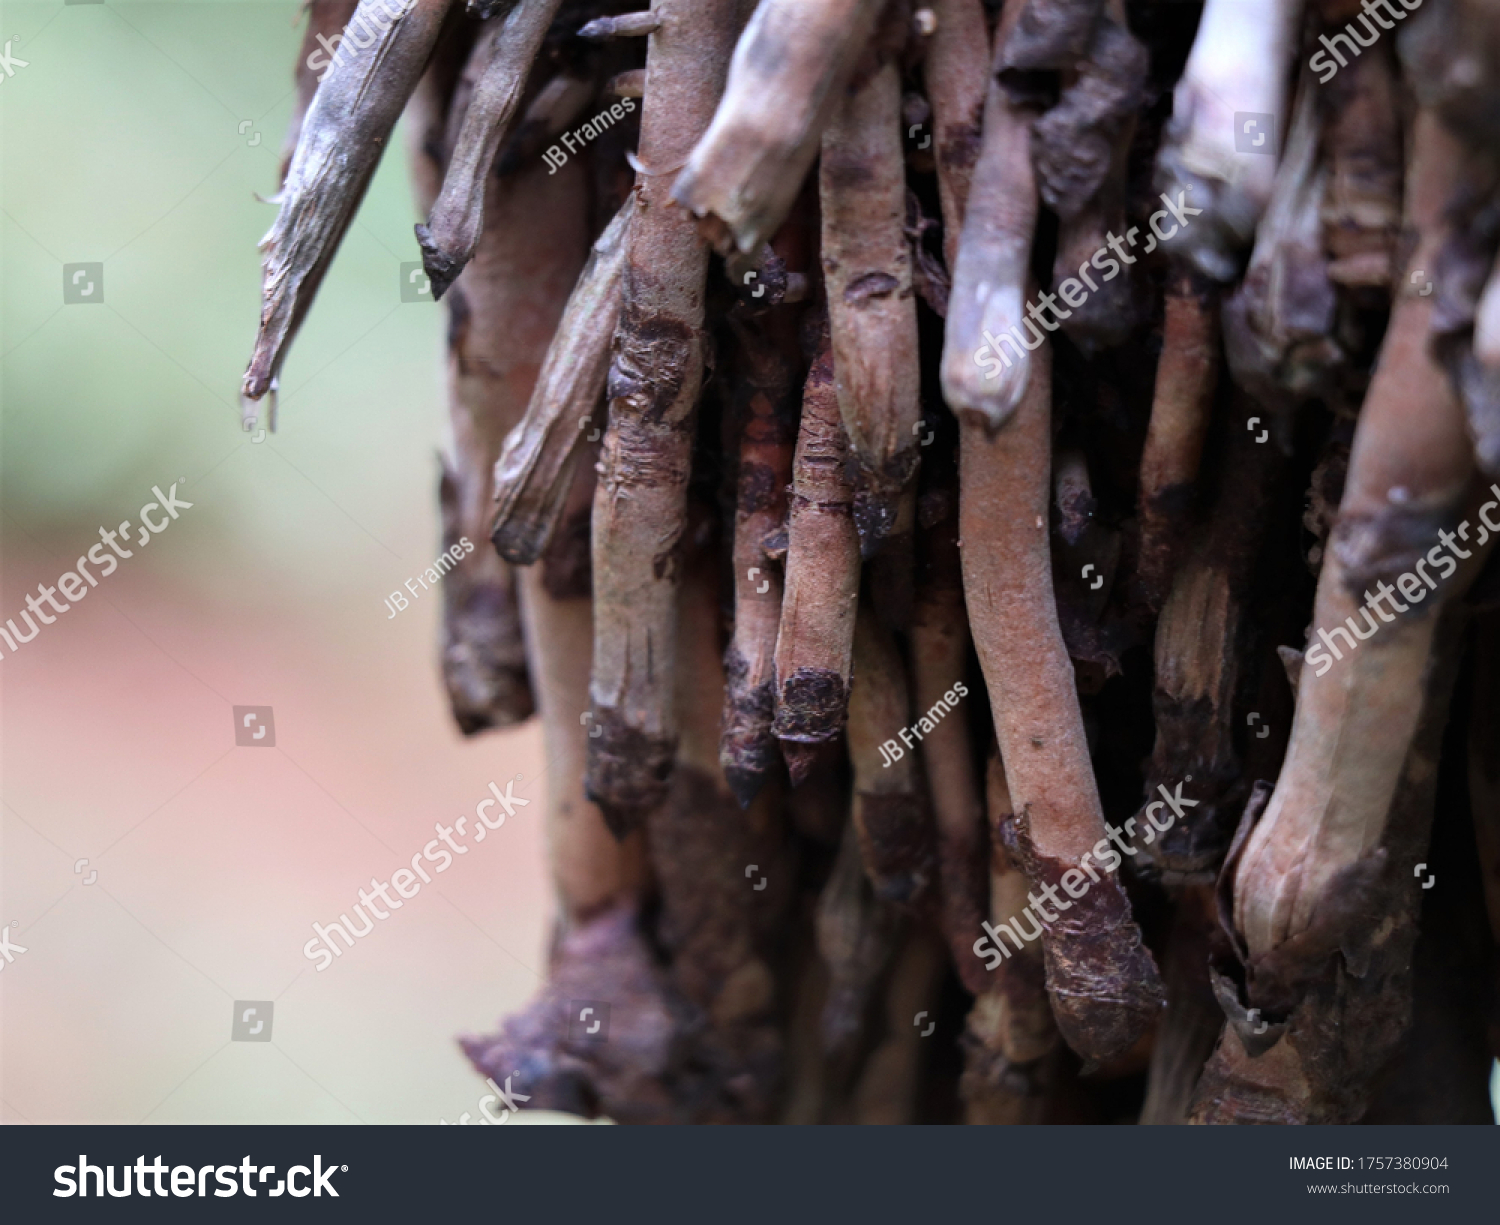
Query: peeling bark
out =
(328, 18)
(1010, 1037)
(1322, 894)
(1203, 641)
(768, 952)
(1330, 1005)
(1408, 475)
(713, 921)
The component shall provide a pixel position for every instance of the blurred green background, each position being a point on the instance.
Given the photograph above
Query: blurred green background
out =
(137, 136)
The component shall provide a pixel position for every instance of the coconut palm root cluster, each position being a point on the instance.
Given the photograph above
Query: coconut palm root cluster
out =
(991, 504)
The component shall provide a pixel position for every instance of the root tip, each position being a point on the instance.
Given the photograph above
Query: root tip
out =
(745, 783)
(442, 267)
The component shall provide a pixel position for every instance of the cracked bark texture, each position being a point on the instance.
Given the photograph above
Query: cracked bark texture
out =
(815, 641)
(871, 312)
(696, 601)
(654, 380)
(769, 364)
(1353, 804)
